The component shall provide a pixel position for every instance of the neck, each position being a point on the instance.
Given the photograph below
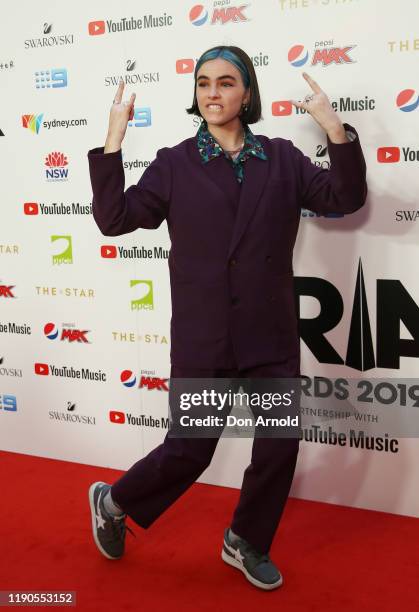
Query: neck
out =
(229, 136)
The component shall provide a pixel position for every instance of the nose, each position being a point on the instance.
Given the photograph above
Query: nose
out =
(213, 91)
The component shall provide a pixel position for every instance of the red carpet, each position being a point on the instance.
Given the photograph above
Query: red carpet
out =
(332, 557)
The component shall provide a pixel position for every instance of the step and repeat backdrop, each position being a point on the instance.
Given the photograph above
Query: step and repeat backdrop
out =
(85, 319)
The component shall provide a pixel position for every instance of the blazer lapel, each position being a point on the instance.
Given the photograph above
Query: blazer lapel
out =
(256, 172)
(222, 176)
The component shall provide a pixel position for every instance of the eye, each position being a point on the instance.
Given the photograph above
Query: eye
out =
(228, 84)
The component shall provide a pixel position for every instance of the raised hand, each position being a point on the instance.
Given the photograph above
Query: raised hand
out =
(318, 106)
(120, 114)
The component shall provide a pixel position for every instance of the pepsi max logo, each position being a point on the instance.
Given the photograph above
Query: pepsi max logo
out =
(297, 56)
(407, 100)
(128, 378)
(51, 331)
(198, 15)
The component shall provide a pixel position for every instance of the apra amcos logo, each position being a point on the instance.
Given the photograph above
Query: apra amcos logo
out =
(32, 122)
(198, 15)
(325, 53)
(62, 250)
(68, 333)
(142, 290)
(393, 306)
(56, 163)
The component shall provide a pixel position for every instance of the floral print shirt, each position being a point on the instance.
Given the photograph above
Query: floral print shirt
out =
(209, 148)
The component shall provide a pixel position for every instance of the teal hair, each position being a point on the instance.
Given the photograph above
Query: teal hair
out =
(229, 56)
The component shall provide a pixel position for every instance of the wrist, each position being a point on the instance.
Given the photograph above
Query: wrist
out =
(112, 144)
(337, 134)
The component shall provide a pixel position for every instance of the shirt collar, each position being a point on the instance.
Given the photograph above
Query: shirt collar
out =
(209, 148)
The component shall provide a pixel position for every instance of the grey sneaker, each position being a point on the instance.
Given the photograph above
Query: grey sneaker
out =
(108, 531)
(258, 568)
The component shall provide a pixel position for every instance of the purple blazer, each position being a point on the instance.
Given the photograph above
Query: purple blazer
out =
(231, 274)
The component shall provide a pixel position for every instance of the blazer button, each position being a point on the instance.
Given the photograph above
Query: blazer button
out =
(233, 262)
(268, 259)
(235, 301)
(272, 298)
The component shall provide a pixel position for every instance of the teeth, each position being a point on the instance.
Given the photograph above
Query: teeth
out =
(214, 106)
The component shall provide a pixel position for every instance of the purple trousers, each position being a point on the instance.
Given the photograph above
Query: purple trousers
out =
(155, 482)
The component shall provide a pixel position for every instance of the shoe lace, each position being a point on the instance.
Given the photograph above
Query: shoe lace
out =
(120, 527)
(253, 555)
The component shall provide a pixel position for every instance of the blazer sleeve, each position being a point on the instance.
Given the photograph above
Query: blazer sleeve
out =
(342, 188)
(144, 205)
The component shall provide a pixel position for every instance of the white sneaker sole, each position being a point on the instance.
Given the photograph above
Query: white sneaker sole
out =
(94, 526)
(234, 563)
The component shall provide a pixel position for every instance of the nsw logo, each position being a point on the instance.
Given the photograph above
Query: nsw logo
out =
(56, 163)
(62, 250)
(143, 292)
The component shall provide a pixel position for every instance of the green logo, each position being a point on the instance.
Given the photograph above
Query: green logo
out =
(63, 250)
(143, 295)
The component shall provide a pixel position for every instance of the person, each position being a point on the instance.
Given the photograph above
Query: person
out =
(232, 202)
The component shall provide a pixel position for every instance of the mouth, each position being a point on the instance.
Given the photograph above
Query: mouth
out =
(214, 107)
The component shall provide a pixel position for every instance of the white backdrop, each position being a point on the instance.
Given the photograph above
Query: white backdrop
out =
(57, 269)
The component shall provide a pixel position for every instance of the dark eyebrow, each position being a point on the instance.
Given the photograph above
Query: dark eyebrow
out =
(225, 76)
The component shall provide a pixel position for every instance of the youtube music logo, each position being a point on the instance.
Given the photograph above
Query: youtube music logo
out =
(108, 251)
(116, 417)
(281, 108)
(96, 28)
(31, 208)
(388, 155)
(42, 369)
(185, 66)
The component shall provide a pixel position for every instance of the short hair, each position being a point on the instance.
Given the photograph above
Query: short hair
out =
(243, 63)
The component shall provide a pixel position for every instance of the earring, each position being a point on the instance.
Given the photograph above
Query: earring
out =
(244, 107)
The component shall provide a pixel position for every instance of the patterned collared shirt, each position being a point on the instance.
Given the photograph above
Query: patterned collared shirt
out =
(209, 148)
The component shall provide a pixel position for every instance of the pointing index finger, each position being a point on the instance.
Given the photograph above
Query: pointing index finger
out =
(314, 86)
